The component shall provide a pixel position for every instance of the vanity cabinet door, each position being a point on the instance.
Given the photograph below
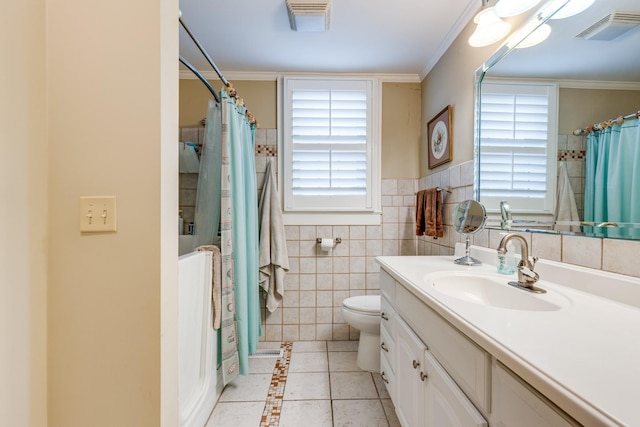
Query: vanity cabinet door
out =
(409, 386)
(445, 405)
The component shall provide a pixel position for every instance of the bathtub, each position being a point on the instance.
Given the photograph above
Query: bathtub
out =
(199, 386)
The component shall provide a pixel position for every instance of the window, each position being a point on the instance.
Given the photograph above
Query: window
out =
(330, 145)
(518, 151)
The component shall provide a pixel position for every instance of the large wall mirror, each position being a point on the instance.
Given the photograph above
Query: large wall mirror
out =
(535, 109)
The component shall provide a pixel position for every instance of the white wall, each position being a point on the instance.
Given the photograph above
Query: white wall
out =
(112, 106)
(23, 215)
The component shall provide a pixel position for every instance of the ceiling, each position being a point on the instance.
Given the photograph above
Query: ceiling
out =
(366, 36)
(563, 56)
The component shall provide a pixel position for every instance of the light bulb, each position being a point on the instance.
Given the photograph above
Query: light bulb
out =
(490, 28)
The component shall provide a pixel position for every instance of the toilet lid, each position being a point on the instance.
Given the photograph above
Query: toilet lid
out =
(364, 303)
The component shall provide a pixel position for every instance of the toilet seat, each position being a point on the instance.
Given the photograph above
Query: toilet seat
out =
(364, 304)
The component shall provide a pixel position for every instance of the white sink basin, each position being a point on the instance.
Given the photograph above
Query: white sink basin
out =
(492, 290)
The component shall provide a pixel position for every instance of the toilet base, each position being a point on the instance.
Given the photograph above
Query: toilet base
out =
(369, 352)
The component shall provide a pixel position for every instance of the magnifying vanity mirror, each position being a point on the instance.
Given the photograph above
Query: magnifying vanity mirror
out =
(535, 109)
(468, 218)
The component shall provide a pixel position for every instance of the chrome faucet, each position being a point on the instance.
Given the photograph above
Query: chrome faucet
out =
(526, 276)
(506, 215)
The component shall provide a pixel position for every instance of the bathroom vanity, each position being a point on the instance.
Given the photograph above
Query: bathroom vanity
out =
(461, 347)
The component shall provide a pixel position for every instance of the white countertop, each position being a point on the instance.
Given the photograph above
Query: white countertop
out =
(585, 357)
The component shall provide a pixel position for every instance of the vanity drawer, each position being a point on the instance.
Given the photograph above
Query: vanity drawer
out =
(387, 348)
(387, 315)
(389, 378)
(387, 285)
(466, 363)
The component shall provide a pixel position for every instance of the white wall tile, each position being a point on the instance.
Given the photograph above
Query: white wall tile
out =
(324, 282)
(389, 215)
(307, 232)
(357, 248)
(621, 256)
(546, 246)
(357, 281)
(374, 232)
(357, 265)
(584, 251)
(341, 281)
(406, 186)
(324, 265)
(357, 232)
(307, 282)
(389, 187)
(466, 173)
(340, 264)
(454, 176)
(307, 265)
(292, 232)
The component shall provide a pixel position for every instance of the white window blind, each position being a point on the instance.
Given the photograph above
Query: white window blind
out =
(328, 145)
(518, 145)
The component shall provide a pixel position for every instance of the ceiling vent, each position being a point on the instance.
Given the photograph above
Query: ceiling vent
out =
(309, 15)
(611, 26)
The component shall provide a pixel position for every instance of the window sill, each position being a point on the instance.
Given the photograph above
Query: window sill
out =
(328, 218)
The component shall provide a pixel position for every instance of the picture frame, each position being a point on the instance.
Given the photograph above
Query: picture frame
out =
(440, 141)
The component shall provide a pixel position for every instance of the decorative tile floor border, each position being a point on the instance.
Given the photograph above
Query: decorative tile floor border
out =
(275, 396)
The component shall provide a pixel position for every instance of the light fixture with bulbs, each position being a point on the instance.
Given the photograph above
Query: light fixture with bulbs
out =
(490, 28)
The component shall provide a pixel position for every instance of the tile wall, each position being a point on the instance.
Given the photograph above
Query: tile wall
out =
(318, 282)
(188, 182)
(573, 150)
(613, 255)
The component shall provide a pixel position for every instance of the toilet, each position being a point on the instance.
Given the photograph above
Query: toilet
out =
(363, 313)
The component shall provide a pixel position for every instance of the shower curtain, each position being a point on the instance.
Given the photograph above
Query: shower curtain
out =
(612, 177)
(207, 215)
(240, 211)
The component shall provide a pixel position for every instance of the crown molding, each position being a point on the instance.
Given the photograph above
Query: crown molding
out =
(464, 19)
(595, 84)
(273, 76)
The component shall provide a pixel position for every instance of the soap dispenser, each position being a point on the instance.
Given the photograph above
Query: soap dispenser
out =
(507, 261)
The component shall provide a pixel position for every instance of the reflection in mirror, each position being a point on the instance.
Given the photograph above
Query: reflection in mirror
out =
(468, 218)
(537, 146)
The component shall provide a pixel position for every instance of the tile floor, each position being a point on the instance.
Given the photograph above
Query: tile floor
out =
(322, 387)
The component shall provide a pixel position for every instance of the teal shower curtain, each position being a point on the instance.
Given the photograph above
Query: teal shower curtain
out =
(207, 215)
(239, 133)
(612, 177)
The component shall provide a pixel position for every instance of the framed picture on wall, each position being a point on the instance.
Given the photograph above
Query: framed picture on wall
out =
(440, 141)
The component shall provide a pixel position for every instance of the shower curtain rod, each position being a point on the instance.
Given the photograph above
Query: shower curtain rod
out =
(230, 89)
(204, 53)
(201, 77)
(606, 123)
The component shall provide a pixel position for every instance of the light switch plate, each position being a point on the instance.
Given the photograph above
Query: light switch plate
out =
(97, 214)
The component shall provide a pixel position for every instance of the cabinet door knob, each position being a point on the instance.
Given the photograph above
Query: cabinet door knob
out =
(416, 364)
(423, 376)
(384, 316)
(382, 346)
(384, 378)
